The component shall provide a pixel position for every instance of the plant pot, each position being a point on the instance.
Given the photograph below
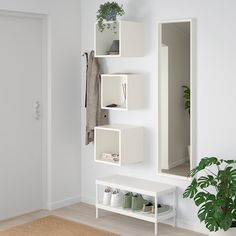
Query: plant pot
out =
(111, 16)
(106, 198)
(230, 232)
(116, 199)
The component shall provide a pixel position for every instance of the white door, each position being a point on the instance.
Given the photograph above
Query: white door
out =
(20, 128)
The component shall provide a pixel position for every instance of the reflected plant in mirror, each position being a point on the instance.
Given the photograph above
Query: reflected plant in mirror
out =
(186, 97)
(187, 107)
(175, 78)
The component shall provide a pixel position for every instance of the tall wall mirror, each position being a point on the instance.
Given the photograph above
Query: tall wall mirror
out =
(174, 97)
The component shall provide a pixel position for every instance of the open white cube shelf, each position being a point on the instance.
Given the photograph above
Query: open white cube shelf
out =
(123, 140)
(130, 35)
(124, 90)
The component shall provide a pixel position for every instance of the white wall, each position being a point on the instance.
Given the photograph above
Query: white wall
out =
(178, 43)
(64, 18)
(216, 71)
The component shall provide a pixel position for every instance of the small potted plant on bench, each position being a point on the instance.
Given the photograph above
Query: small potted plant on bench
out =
(215, 194)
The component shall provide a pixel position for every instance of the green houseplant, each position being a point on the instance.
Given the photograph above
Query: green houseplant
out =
(215, 194)
(108, 12)
(186, 97)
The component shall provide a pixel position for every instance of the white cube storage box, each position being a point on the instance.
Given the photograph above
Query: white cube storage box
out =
(124, 141)
(124, 90)
(130, 35)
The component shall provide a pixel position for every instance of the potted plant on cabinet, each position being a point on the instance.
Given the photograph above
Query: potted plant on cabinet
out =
(108, 12)
(215, 194)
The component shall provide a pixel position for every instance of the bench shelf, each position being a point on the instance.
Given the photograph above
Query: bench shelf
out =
(144, 187)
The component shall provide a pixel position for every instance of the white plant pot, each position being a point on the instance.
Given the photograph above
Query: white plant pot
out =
(116, 199)
(230, 232)
(106, 198)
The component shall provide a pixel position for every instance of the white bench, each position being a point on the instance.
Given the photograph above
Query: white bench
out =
(145, 187)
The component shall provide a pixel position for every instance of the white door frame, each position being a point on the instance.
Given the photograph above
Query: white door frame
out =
(46, 102)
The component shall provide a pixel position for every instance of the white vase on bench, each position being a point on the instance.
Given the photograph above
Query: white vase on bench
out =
(116, 199)
(107, 197)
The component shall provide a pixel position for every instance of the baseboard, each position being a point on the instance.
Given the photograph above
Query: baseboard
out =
(190, 226)
(179, 222)
(90, 201)
(177, 163)
(63, 203)
(183, 224)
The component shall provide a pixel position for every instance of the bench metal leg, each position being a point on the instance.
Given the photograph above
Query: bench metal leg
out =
(97, 201)
(156, 209)
(156, 227)
(174, 207)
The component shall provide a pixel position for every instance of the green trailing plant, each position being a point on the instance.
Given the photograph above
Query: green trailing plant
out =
(214, 192)
(109, 12)
(186, 96)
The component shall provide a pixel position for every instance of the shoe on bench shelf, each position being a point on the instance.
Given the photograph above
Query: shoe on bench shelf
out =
(147, 207)
(127, 200)
(160, 209)
(137, 202)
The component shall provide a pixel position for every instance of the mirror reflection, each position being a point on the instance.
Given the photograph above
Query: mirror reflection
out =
(174, 98)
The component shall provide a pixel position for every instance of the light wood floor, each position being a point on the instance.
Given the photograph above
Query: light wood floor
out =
(182, 170)
(115, 223)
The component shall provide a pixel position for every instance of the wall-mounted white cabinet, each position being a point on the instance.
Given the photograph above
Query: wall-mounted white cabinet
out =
(129, 34)
(121, 92)
(118, 144)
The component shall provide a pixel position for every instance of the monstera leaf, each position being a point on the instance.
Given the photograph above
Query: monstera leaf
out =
(206, 181)
(191, 189)
(214, 192)
(200, 198)
(205, 162)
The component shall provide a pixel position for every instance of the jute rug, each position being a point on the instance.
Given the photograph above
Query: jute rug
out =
(54, 226)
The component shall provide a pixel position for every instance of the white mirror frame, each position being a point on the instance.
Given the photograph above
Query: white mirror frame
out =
(192, 96)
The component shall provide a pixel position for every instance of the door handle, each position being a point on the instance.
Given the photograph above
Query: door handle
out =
(37, 110)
